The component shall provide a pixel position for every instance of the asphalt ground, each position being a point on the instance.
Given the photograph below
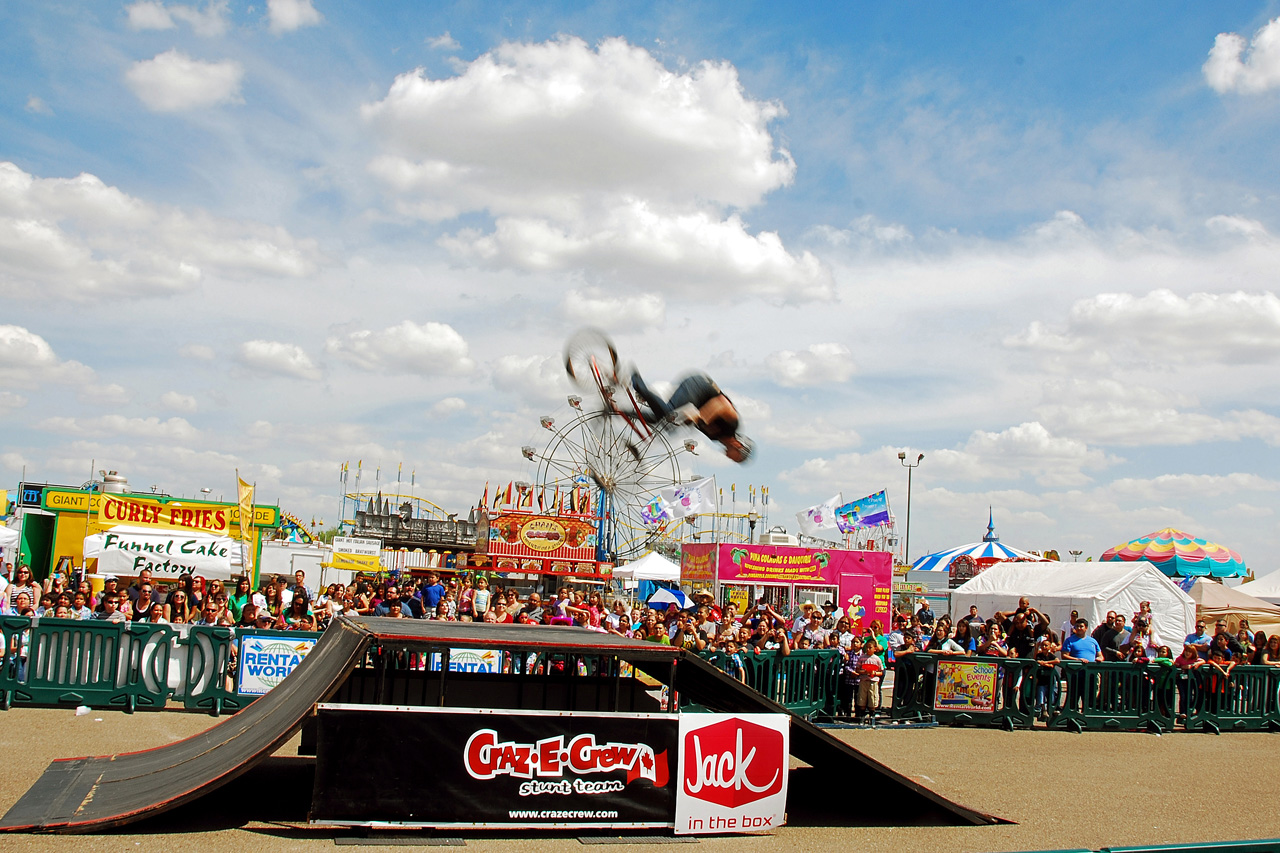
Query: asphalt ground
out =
(1061, 790)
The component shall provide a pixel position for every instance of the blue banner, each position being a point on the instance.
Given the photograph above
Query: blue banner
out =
(871, 511)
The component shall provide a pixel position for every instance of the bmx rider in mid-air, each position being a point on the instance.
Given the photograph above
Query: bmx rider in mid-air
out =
(697, 402)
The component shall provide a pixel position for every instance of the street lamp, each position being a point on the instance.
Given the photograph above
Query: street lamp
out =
(910, 466)
(1075, 556)
(752, 518)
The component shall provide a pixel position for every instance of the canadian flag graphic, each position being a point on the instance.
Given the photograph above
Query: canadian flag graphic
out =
(649, 766)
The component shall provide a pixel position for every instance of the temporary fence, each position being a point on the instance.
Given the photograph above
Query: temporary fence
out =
(1014, 692)
(804, 681)
(131, 666)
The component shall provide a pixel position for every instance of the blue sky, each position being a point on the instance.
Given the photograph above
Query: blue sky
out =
(1036, 243)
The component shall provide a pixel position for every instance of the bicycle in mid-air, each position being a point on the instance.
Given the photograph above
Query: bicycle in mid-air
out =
(591, 360)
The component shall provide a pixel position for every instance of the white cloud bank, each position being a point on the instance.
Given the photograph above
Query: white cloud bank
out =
(173, 82)
(80, 237)
(1237, 65)
(285, 16)
(278, 358)
(27, 360)
(408, 347)
(595, 160)
(818, 364)
(153, 15)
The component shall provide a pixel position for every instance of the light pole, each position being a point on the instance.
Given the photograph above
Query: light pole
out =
(1075, 556)
(752, 518)
(910, 466)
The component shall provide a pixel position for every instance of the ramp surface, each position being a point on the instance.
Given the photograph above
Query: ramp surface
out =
(90, 794)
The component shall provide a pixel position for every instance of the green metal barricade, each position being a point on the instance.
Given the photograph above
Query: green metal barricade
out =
(1243, 700)
(208, 683)
(60, 662)
(1011, 701)
(913, 687)
(1116, 696)
(804, 681)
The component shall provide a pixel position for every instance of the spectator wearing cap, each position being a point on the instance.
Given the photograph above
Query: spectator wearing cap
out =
(1220, 630)
(110, 610)
(925, 615)
(831, 615)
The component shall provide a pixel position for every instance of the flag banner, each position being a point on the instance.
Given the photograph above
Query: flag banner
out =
(681, 501)
(871, 511)
(819, 517)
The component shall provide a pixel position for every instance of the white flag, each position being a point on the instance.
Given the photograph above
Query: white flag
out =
(690, 498)
(816, 518)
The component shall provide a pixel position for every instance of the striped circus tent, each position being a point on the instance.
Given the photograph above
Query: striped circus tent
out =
(989, 551)
(1177, 553)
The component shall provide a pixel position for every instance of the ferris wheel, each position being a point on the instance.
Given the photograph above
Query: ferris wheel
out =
(625, 472)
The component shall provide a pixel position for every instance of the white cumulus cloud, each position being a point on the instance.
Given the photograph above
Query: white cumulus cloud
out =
(1237, 65)
(154, 15)
(26, 360)
(178, 402)
(818, 364)
(81, 237)
(448, 407)
(535, 378)
(1224, 328)
(408, 347)
(593, 307)
(173, 82)
(278, 358)
(285, 16)
(444, 41)
(599, 160)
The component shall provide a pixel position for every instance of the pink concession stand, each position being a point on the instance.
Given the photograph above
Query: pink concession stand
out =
(860, 582)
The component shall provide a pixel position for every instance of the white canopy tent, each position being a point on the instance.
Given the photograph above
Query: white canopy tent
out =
(651, 567)
(1055, 589)
(1266, 587)
(9, 537)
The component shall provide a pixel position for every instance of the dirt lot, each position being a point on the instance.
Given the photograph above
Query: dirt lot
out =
(1062, 790)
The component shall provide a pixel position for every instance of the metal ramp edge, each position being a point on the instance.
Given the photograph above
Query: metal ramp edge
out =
(91, 794)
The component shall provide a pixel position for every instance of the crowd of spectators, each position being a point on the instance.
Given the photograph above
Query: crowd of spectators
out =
(865, 652)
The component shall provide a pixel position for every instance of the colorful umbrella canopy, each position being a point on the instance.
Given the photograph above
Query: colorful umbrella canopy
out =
(1177, 553)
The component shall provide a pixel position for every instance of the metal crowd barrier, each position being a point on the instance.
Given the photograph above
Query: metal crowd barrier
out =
(1100, 696)
(130, 666)
(805, 681)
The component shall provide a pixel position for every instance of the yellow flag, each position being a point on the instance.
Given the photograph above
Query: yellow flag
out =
(245, 499)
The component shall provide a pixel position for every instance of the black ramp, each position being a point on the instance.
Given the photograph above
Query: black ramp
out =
(90, 794)
(897, 798)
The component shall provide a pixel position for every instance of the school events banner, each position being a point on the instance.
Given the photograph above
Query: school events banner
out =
(482, 768)
(966, 685)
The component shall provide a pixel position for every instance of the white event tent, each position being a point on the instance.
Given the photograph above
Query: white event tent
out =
(1055, 589)
(651, 567)
(1266, 587)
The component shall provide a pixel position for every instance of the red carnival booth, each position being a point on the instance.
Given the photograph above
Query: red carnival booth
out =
(537, 544)
(860, 582)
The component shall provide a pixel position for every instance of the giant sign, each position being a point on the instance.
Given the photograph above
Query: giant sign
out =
(66, 499)
(863, 579)
(544, 544)
(733, 773)
(479, 767)
(266, 660)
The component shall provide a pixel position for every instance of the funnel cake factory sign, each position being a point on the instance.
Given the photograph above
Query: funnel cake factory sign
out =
(544, 544)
